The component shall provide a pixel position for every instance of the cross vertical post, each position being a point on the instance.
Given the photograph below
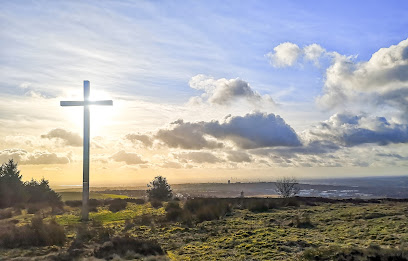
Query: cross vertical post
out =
(85, 183)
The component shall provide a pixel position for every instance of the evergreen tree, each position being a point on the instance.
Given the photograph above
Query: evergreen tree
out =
(159, 189)
(41, 192)
(11, 187)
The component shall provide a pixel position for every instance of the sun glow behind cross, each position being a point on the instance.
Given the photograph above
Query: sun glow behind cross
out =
(101, 116)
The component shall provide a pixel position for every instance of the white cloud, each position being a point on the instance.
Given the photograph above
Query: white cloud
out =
(224, 91)
(239, 156)
(129, 158)
(171, 165)
(198, 157)
(140, 138)
(67, 137)
(186, 135)
(254, 130)
(24, 157)
(313, 53)
(284, 55)
(352, 130)
(382, 80)
(287, 54)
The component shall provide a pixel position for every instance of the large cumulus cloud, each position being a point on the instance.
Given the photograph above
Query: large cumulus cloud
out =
(382, 80)
(186, 135)
(353, 130)
(254, 130)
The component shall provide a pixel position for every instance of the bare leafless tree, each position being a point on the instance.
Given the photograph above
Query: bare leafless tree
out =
(287, 187)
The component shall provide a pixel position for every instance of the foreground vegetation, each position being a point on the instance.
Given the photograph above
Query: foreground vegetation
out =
(35, 223)
(214, 229)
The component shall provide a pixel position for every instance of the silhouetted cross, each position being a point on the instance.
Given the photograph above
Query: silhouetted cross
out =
(86, 102)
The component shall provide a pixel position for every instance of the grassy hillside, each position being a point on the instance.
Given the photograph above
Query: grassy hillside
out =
(309, 231)
(74, 195)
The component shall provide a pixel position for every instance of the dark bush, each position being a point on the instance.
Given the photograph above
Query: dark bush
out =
(258, 205)
(208, 208)
(206, 213)
(6, 213)
(352, 253)
(33, 208)
(35, 234)
(291, 202)
(117, 204)
(73, 203)
(140, 201)
(146, 219)
(122, 245)
(172, 205)
(156, 203)
(173, 211)
(94, 204)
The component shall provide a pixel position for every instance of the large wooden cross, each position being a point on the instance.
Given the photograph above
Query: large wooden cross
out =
(85, 185)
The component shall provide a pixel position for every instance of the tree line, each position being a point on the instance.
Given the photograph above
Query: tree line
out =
(14, 192)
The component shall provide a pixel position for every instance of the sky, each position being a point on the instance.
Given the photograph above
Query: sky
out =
(205, 91)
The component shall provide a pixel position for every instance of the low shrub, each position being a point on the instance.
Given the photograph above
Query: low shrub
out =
(94, 204)
(123, 245)
(206, 213)
(33, 208)
(302, 221)
(129, 224)
(17, 211)
(205, 209)
(173, 211)
(117, 204)
(94, 232)
(146, 219)
(73, 203)
(257, 205)
(139, 201)
(35, 234)
(352, 253)
(156, 203)
(6, 213)
(291, 202)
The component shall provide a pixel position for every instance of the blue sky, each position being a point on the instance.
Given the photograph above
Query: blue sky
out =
(149, 55)
(224, 39)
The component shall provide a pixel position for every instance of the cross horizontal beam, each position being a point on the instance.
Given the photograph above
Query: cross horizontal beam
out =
(84, 103)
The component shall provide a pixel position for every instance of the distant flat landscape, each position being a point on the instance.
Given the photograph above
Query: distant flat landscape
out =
(365, 187)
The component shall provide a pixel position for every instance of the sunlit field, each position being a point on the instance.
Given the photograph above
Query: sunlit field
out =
(231, 229)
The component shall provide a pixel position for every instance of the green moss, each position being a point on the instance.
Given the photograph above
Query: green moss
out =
(262, 236)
